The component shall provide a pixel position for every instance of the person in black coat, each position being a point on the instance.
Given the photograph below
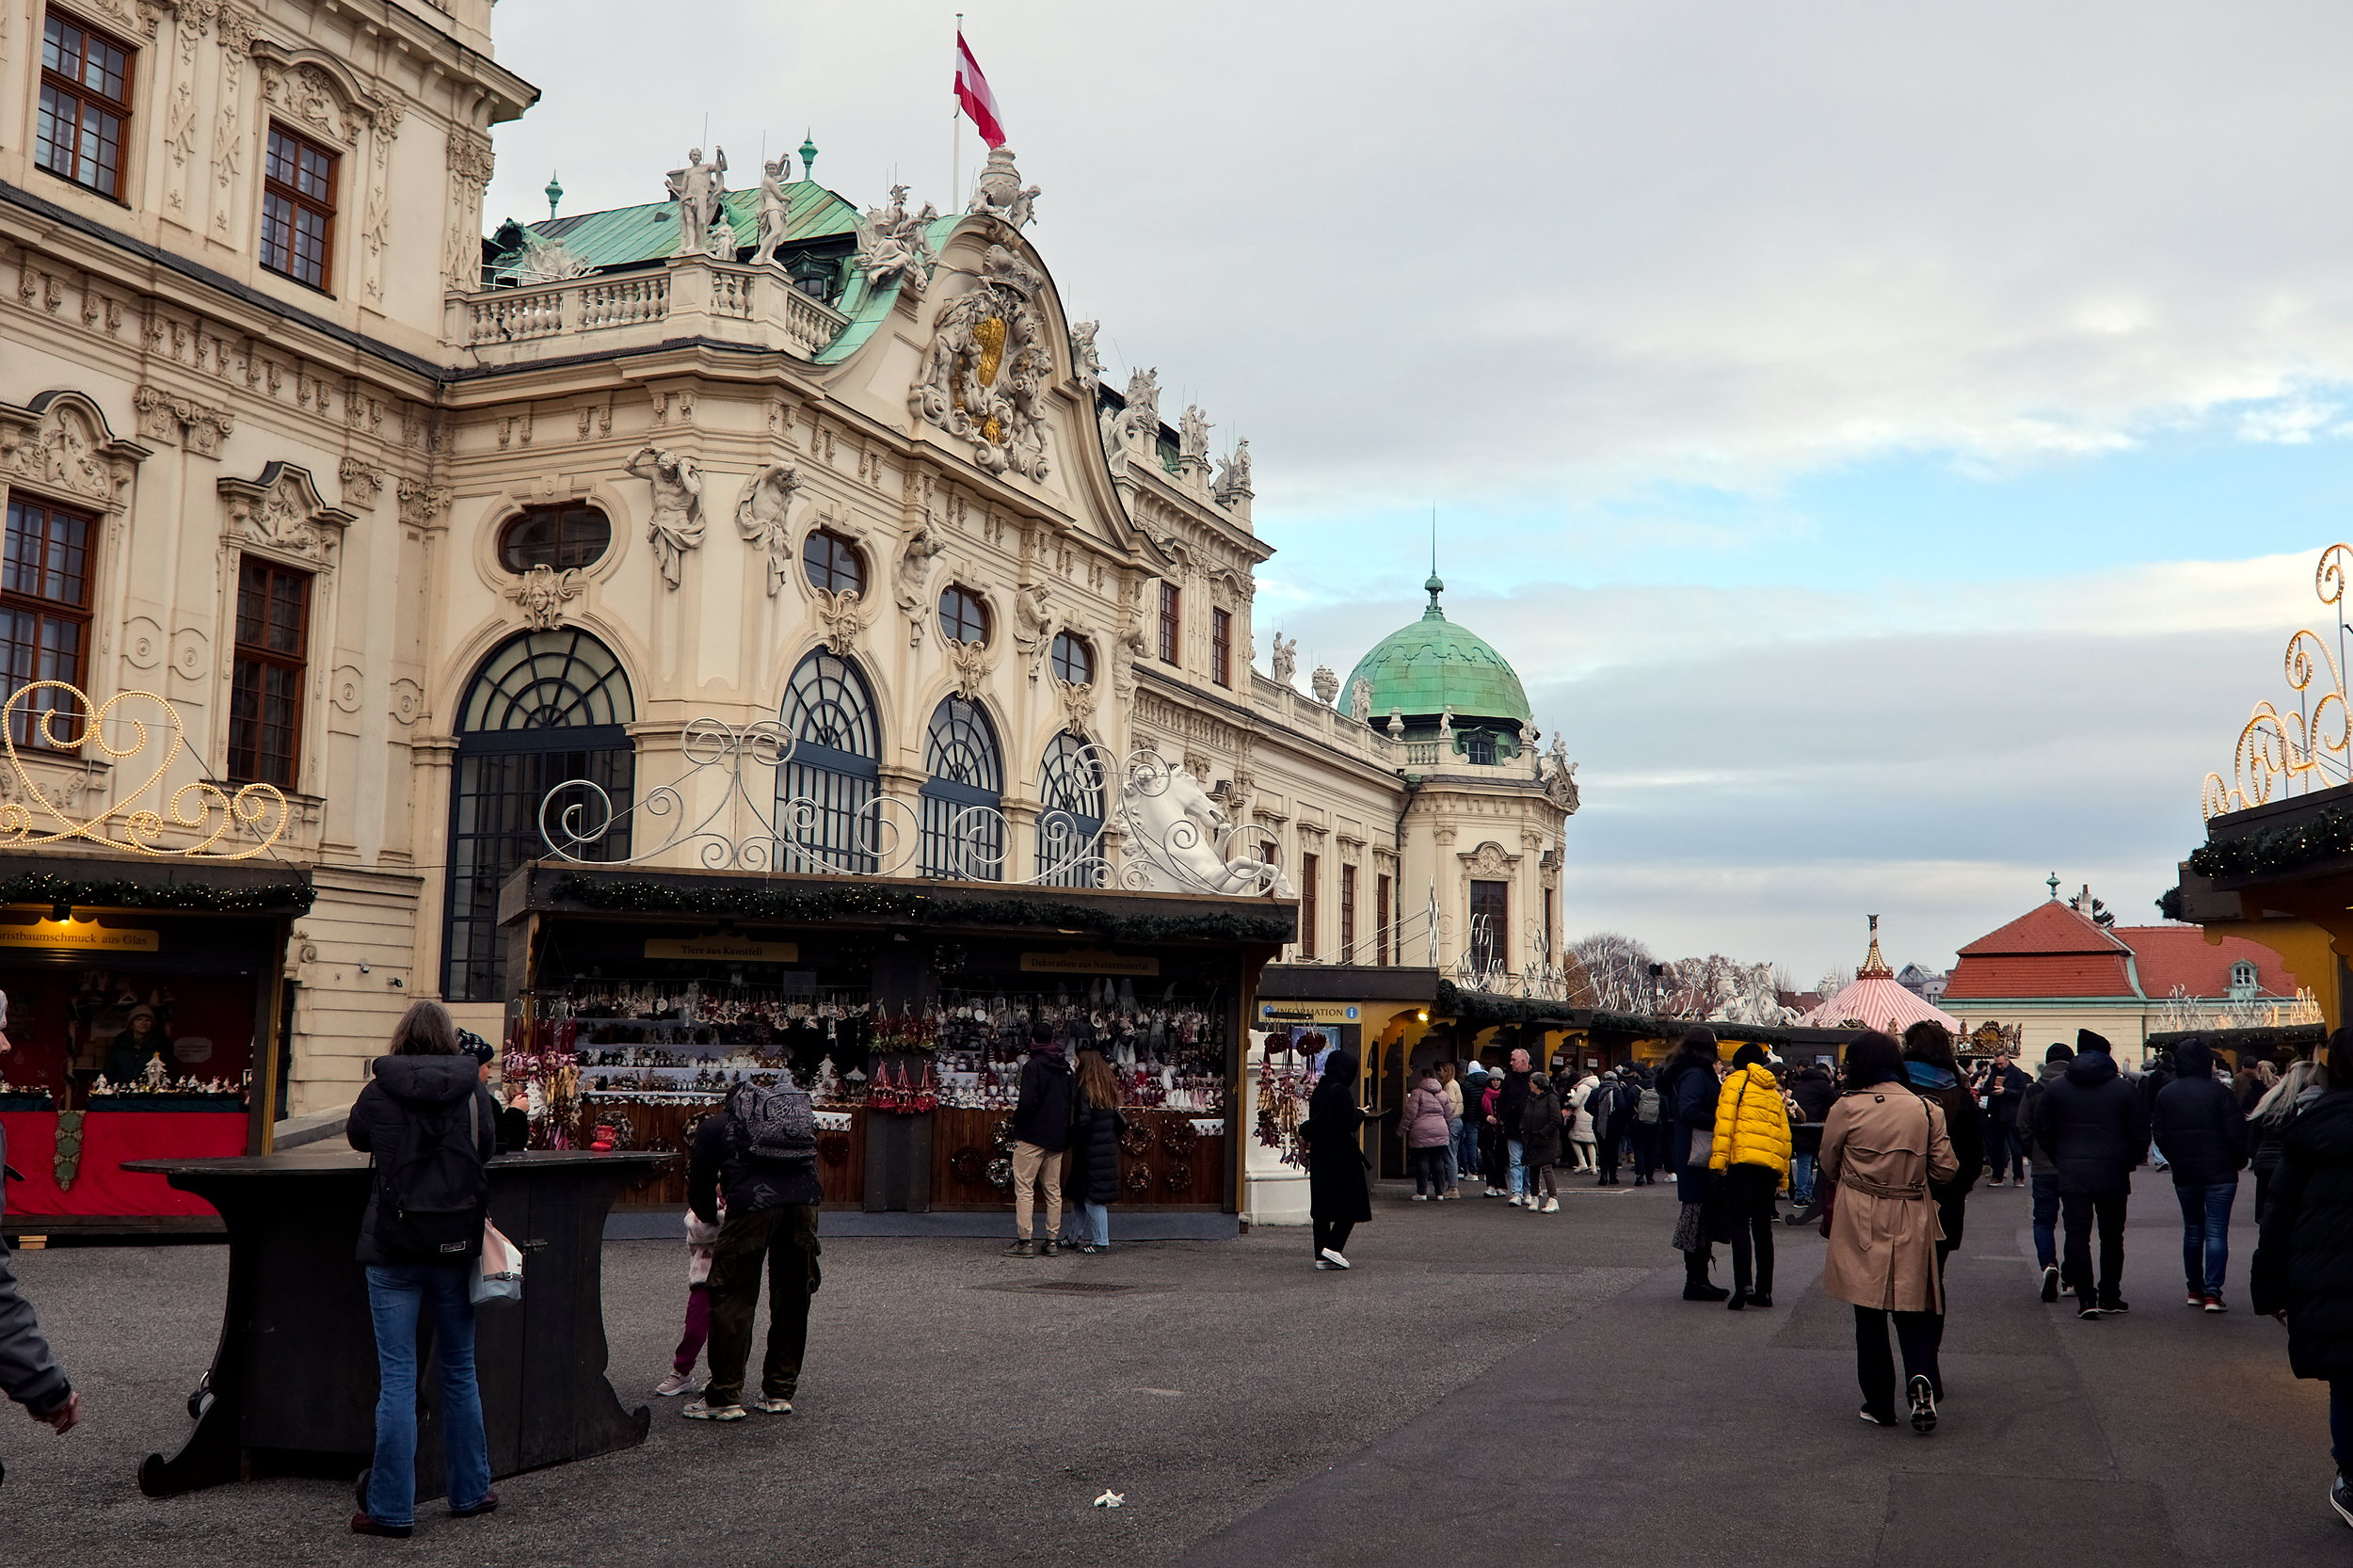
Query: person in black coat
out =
(1689, 1116)
(2199, 1126)
(1609, 1102)
(2003, 1087)
(1041, 1132)
(2090, 1120)
(1338, 1199)
(1096, 1123)
(2304, 1270)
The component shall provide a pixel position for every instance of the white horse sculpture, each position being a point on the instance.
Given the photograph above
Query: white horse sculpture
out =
(1178, 836)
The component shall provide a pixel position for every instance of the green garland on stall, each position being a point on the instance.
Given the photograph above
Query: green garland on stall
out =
(814, 905)
(2301, 1037)
(270, 899)
(2284, 849)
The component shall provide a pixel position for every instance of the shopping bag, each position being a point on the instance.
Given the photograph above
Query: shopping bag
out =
(501, 1276)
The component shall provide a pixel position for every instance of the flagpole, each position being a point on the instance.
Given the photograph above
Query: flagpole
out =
(955, 128)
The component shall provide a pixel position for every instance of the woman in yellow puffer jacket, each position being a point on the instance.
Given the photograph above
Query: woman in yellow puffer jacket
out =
(1752, 1149)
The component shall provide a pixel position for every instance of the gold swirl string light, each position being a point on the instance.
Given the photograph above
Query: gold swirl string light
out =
(71, 727)
(2311, 747)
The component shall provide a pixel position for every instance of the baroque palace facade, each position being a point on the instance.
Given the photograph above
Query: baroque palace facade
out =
(417, 526)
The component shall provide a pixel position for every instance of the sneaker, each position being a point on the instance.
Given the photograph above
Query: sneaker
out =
(1420, 1197)
(2197, 1298)
(1322, 1267)
(2115, 1306)
(2340, 1499)
(1996, 1182)
(363, 1525)
(2086, 1311)
(1088, 1248)
(1334, 1258)
(1876, 1420)
(768, 1406)
(1021, 1249)
(701, 1410)
(673, 1385)
(1552, 1206)
(1923, 1404)
(489, 1504)
(2049, 1283)
(2213, 1304)
(1739, 1303)
(1049, 1248)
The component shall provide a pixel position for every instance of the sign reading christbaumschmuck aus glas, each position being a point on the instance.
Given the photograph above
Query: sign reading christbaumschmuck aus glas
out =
(81, 936)
(1088, 961)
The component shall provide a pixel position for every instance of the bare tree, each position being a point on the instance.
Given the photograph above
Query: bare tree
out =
(1617, 967)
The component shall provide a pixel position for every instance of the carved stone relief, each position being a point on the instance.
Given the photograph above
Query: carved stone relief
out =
(236, 41)
(361, 482)
(541, 594)
(422, 505)
(343, 687)
(282, 512)
(375, 222)
(471, 164)
(408, 704)
(167, 416)
(840, 619)
(764, 519)
(970, 662)
(676, 525)
(987, 367)
(180, 115)
(59, 442)
(143, 642)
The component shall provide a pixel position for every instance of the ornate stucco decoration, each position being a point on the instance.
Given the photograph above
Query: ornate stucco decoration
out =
(1489, 861)
(999, 192)
(764, 519)
(1077, 704)
(282, 511)
(840, 617)
(970, 662)
(987, 366)
(541, 594)
(59, 442)
(124, 730)
(424, 505)
(1084, 361)
(1559, 776)
(363, 482)
(676, 525)
(1033, 625)
(1325, 683)
(471, 166)
(913, 579)
(894, 246)
(169, 416)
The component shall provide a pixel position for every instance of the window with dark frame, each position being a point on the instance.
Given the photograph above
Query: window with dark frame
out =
(1073, 660)
(1306, 906)
(963, 616)
(563, 537)
(1222, 647)
(265, 679)
(84, 105)
(297, 207)
(1551, 953)
(1490, 922)
(1348, 913)
(832, 563)
(1172, 627)
(1383, 937)
(44, 610)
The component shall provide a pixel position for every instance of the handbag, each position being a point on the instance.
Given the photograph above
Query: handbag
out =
(500, 1276)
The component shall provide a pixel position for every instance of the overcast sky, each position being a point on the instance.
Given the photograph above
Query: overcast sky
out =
(1890, 440)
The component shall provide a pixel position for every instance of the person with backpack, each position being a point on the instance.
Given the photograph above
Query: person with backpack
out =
(760, 1150)
(2090, 1120)
(2041, 1173)
(1644, 1125)
(1096, 1123)
(1606, 1104)
(1041, 1132)
(430, 1128)
(1540, 1140)
(2196, 1122)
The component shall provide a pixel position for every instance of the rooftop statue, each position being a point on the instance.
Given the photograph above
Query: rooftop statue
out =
(1142, 418)
(999, 192)
(1360, 701)
(1325, 683)
(774, 214)
(696, 189)
(1233, 479)
(1285, 660)
(1192, 435)
(677, 526)
(892, 244)
(1083, 358)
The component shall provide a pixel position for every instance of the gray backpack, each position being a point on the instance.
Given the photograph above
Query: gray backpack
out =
(774, 1127)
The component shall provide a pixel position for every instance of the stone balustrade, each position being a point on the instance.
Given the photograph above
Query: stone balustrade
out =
(612, 313)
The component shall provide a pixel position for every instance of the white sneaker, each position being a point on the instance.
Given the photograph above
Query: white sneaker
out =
(1552, 1206)
(1422, 1198)
(673, 1385)
(768, 1406)
(1335, 1260)
(1514, 1200)
(697, 1410)
(1322, 1267)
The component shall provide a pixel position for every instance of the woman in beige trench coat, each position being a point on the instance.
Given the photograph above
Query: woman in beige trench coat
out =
(1882, 1144)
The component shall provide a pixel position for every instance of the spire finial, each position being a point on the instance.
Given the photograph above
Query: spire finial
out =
(808, 155)
(1873, 962)
(2052, 882)
(554, 193)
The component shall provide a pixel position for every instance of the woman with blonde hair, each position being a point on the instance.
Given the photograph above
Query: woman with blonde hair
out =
(2267, 1124)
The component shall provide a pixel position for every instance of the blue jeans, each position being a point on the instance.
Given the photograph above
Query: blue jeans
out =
(1515, 1177)
(399, 1296)
(1802, 1179)
(2206, 1234)
(2046, 1215)
(1098, 1222)
(1466, 1146)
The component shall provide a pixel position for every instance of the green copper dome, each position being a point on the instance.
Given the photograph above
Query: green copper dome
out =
(1423, 669)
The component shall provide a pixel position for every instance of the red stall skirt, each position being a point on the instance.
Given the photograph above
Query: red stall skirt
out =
(101, 1188)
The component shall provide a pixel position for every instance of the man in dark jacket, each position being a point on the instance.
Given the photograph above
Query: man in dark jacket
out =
(1814, 1093)
(29, 1374)
(1511, 1105)
(2247, 1085)
(1041, 1132)
(2042, 1171)
(2204, 1134)
(2003, 1087)
(771, 1226)
(2091, 1121)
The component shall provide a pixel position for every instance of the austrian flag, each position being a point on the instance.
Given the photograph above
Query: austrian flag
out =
(972, 92)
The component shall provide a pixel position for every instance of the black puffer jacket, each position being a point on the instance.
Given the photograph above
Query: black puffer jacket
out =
(2089, 1123)
(1042, 1116)
(2198, 1124)
(2304, 1263)
(400, 1089)
(1094, 1175)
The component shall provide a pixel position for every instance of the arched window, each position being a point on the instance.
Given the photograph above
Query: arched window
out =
(963, 615)
(826, 794)
(546, 707)
(1074, 661)
(832, 563)
(964, 835)
(1070, 813)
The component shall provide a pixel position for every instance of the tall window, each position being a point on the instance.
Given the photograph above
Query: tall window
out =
(1172, 625)
(825, 791)
(546, 708)
(84, 105)
(1551, 951)
(963, 615)
(297, 207)
(1383, 936)
(1222, 647)
(832, 563)
(44, 607)
(1307, 906)
(1073, 660)
(963, 832)
(1070, 815)
(561, 537)
(1491, 923)
(265, 682)
(1348, 913)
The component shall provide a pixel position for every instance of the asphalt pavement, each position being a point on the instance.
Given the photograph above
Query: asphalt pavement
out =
(1487, 1384)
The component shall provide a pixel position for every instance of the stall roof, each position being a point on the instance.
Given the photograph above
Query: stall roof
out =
(163, 885)
(1347, 983)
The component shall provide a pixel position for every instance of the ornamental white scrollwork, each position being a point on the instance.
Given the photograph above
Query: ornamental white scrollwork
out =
(2311, 747)
(66, 722)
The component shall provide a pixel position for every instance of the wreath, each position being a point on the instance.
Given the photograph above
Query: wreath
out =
(969, 1165)
(1140, 1179)
(1003, 1135)
(1179, 1178)
(1137, 1141)
(1000, 1174)
(832, 1147)
(1178, 1139)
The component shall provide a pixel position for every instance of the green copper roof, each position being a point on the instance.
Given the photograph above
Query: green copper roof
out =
(1423, 669)
(648, 233)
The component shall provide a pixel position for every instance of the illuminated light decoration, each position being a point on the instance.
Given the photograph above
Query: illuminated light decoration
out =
(2311, 748)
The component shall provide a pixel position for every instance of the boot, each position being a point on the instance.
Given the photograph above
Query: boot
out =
(1695, 1285)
